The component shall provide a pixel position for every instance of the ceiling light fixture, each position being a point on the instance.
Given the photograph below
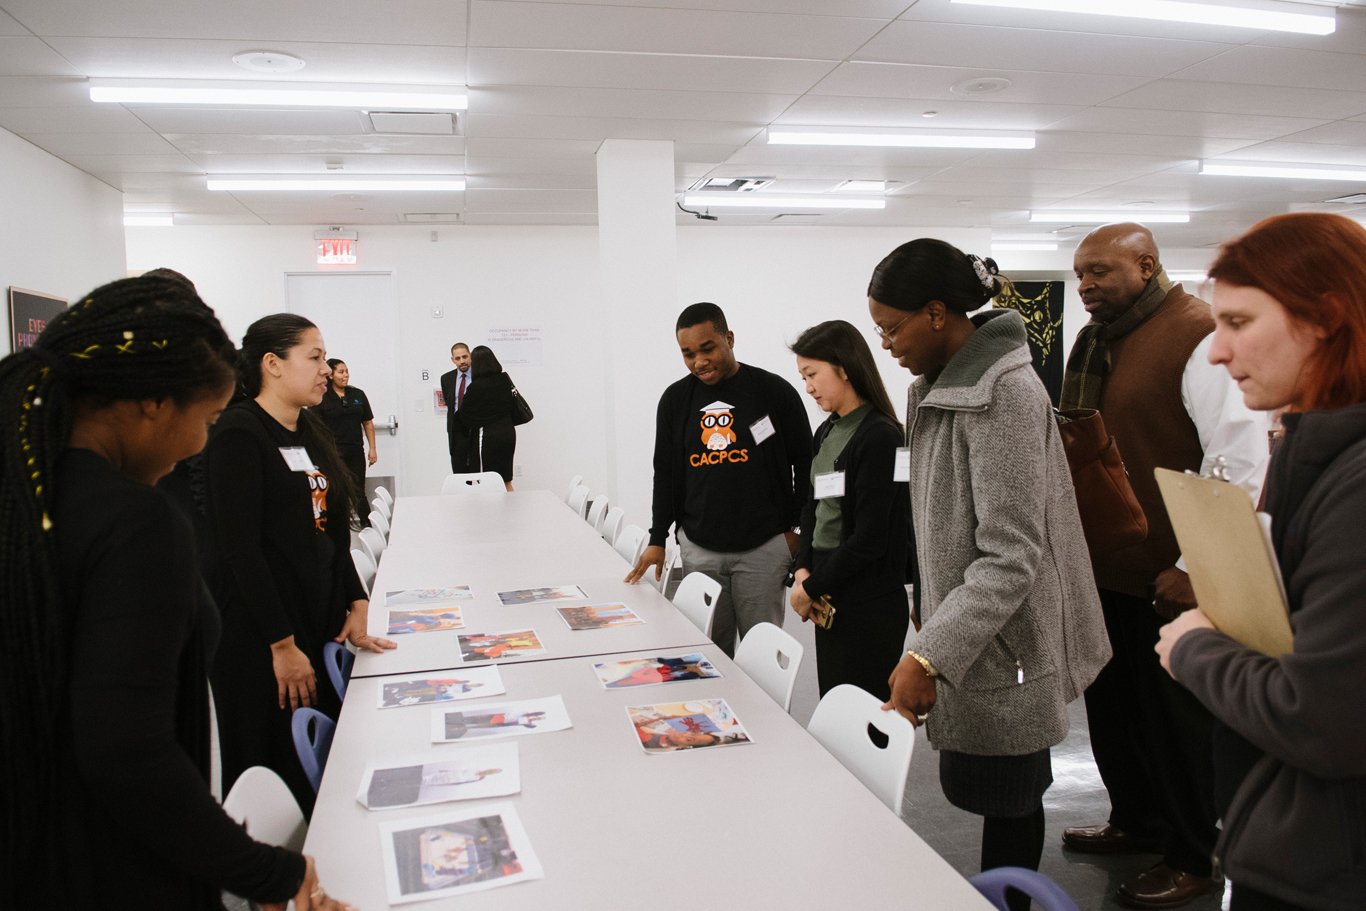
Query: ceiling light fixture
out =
(148, 221)
(762, 201)
(278, 94)
(376, 184)
(1264, 16)
(902, 138)
(1294, 171)
(1008, 246)
(1101, 218)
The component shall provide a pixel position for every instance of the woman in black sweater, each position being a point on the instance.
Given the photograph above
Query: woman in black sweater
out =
(855, 525)
(108, 632)
(279, 504)
(486, 415)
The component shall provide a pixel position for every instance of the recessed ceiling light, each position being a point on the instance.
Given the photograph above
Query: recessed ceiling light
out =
(764, 201)
(268, 62)
(278, 94)
(1100, 218)
(1290, 170)
(375, 184)
(981, 85)
(901, 138)
(929, 114)
(148, 221)
(1266, 15)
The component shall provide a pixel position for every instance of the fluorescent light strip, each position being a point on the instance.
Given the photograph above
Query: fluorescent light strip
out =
(1187, 275)
(1263, 17)
(1294, 171)
(1008, 246)
(148, 221)
(761, 201)
(910, 139)
(1101, 218)
(269, 94)
(335, 184)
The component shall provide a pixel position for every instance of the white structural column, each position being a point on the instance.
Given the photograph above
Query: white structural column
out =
(638, 257)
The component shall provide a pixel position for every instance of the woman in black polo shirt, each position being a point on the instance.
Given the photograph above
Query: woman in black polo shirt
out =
(346, 411)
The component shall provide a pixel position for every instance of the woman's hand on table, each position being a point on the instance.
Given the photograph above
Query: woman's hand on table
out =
(311, 895)
(800, 600)
(913, 691)
(1169, 635)
(356, 630)
(295, 681)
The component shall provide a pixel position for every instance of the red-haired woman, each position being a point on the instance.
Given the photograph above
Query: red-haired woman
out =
(1290, 307)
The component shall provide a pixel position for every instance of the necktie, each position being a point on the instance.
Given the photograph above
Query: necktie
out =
(460, 392)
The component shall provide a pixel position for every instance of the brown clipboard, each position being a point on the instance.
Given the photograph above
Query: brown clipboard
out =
(1230, 561)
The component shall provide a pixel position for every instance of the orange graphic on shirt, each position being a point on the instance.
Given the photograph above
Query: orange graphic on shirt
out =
(717, 423)
(317, 485)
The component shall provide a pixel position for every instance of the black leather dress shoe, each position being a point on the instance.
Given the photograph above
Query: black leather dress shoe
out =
(1106, 839)
(1163, 887)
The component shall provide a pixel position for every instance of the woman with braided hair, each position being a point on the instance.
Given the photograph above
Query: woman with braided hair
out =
(106, 633)
(279, 509)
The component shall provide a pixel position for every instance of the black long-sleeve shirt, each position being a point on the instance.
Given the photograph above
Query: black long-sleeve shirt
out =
(137, 812)
(719, 473)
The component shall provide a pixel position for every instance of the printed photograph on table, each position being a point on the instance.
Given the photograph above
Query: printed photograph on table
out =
(490, 721)
(448, 686)
(616, 675)
(428, 597)
(694, 725)
(542, 595)
(492, 646)
(486, 771)
(447, 855)
(599, 616)
(429, 620)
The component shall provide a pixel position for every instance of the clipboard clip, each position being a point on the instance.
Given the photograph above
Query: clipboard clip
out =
(1217, 471)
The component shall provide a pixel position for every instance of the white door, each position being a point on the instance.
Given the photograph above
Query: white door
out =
(356, 313)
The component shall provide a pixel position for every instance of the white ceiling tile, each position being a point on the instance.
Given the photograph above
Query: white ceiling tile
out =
(63, 144)
(43, 91)
(599, 128)
(522, 180)
(624, 102)
(318, 164)
(1231, 98)
(174, 58)
(780, 157)
(1306, 152)
(255, 22)
(1342, 132)
(874, 9)
(1032, 49)
(31, 57)
(512, 167)
(894, 80)
(116, 166)
(832, 110)
(229, 144)
(524, 66)
(88, 118)
(1283, 67)
(530, 218)
(8, 25)
(531, 148)
(1349, 37)
(1184, 123)
(1137, 143)
(177, 119)
(1043, 160)
(583, 201)
(498, 23)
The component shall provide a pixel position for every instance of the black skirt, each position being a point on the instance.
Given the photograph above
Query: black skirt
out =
(1007, 786)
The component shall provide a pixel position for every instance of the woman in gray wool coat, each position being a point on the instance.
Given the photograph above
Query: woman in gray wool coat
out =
(1012, 629)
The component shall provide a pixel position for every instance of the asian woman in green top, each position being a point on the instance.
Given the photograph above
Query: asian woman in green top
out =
(855, 527)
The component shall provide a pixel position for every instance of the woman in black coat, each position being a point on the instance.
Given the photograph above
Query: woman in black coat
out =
(486, 414)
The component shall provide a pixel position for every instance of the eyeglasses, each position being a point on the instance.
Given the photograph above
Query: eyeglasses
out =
(889, 335)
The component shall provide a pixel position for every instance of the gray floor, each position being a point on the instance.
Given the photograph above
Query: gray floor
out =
(1077, 797)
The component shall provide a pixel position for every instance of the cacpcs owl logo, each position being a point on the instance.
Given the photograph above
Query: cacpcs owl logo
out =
(716, 423)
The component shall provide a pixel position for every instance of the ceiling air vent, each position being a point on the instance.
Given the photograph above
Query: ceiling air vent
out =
(426, 124)
(730, 184)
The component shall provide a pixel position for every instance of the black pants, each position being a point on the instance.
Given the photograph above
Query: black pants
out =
(1152, 741)
(354, 460)
(1245, 899)
(864, 643)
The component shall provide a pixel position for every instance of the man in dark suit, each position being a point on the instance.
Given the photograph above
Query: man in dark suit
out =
(453, 384)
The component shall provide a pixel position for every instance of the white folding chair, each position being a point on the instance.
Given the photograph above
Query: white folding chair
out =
(631, 543)
(597, 512)
(611, 524)
(696, 597)
(841, 722)
(578, 500)
(377, 520)
(574, 483)
(373, 542)
(365, 568)
(261, 801)
(383, 493)
(771, 657)
(670, 561)
(474, 482)
(383, 508)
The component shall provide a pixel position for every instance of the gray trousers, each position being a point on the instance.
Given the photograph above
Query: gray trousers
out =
(751, 585)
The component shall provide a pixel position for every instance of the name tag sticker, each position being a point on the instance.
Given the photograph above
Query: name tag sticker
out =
(830, 484)
(762, 429)
(296, 457)
(901, 467)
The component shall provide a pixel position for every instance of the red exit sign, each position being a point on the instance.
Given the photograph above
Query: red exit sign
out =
(336, 251)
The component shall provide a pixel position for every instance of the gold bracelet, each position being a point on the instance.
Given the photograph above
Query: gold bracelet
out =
(925, 663)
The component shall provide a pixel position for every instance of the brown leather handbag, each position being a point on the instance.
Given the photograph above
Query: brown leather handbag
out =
(1111, 517)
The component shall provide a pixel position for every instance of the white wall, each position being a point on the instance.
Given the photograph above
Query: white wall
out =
(62, 230)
